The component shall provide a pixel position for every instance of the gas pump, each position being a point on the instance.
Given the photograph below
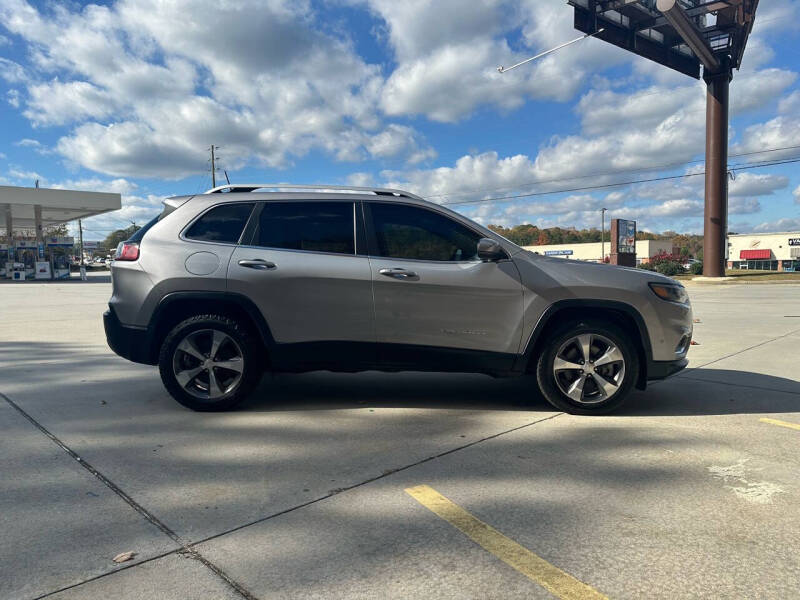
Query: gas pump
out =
(4, 262)
(27, 254)
(59, 250)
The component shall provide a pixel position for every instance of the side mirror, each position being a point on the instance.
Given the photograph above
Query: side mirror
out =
(489, 250)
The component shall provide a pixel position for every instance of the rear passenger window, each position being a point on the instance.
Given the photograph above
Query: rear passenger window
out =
(310, 226)
(221, 224)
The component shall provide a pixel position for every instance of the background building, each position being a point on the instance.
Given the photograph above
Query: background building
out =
(645, 250)
(765, 251)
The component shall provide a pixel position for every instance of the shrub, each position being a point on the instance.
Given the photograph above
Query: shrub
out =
(697, 268)
(669, 268)
(666, 264)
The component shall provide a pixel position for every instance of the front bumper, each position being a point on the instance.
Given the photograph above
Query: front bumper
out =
(661, 369)
(132, 343)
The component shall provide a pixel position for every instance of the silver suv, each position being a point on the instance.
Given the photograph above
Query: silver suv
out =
(243, 278)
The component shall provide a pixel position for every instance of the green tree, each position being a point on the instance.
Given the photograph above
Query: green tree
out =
(115, 237)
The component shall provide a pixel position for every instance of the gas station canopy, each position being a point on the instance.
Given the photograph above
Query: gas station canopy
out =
(19, 204)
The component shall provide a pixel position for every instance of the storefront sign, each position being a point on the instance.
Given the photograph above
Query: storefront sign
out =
(90, 245)
(558, 252)
(627, 237)
(794, 241)
(60, 241)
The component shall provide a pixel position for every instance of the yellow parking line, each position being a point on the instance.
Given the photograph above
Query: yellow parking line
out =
(781, 423)
(523, 560)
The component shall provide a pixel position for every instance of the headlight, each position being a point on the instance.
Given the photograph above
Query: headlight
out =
(670, 292)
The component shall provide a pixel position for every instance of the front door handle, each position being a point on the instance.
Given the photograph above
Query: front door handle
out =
(257, 263)
(398, 273)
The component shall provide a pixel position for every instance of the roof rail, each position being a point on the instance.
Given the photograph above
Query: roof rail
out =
(251, 187)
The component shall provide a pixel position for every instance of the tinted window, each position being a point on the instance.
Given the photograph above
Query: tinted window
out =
(410, 232)
(222, 224)
(311, 226)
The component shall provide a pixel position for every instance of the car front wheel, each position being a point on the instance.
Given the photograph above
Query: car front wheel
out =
(209, 363)
(588, 367)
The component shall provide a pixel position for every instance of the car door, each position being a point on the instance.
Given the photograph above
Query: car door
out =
(303, 270)
(437, 305)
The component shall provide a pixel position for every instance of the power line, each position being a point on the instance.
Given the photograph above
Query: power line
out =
(599, 174)
(741, 167)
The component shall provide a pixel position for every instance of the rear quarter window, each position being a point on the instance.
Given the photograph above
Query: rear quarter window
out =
(223, 223)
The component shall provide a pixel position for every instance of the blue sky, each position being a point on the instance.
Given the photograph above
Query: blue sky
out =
(127, 96)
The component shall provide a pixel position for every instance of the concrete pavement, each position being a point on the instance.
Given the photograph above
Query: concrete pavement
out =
(686, 493)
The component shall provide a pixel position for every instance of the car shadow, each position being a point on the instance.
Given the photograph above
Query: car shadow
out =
(695, 392)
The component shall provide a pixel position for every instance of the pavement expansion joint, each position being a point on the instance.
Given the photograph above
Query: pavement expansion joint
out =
(185, 548)
(738, 352)
(383, 475)
(741, 385)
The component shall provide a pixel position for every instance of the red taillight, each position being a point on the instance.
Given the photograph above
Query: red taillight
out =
(127, 251)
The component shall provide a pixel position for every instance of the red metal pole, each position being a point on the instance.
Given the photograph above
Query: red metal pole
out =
(715, 224)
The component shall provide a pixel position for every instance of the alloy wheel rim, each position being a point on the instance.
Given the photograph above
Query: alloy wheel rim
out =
(589, 368)
(208, 364)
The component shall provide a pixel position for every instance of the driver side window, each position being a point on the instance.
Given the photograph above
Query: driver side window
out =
(416, 233)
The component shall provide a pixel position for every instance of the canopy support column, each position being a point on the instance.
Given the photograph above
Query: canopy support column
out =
(715, 225)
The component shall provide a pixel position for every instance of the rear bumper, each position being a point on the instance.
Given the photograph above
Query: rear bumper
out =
(661, 369)
(132, 343)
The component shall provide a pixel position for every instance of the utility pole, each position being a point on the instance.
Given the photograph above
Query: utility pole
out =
(214, 165)
(603, 235)
(80, 237)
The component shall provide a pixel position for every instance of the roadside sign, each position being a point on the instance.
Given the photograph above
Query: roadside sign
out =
(627, 237)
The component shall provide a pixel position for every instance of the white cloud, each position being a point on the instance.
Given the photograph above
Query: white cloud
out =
(447, 53)
(11, 71)
(756, 89)
(28, 143)
(57, 103)
(790, 105)
(796, 194)
(781, 132)
(751, 184)
(360, 179)
(743, 206)
(146, 92)
(95, 184)
(12, 97)
(779, 225)
(399, 140)
(21, 173)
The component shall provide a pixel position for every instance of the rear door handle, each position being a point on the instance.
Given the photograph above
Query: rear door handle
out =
(398, 273)
(257, 263)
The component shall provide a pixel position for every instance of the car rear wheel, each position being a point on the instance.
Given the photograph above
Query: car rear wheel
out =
(209, 363)
(587, 367)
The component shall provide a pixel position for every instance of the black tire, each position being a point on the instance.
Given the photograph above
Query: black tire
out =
(228, 391)
(620, 379)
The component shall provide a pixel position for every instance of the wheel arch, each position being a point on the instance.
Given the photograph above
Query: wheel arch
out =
(178, 306)
(621, 314)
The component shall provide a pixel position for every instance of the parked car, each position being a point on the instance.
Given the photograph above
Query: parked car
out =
(225, 285)
(688, 264)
